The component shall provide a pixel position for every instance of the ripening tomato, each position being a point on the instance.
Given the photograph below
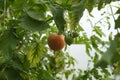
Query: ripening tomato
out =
(56, 41)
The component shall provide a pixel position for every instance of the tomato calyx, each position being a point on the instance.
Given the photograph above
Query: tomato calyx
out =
(69, 37)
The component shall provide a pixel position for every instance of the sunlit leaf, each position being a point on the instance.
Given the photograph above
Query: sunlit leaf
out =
(35, 53)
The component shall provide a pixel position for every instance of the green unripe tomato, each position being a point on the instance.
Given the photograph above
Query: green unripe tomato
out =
(75, 34)
(68, 39)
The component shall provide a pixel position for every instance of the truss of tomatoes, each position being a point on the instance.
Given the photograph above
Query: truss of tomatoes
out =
(57, 41)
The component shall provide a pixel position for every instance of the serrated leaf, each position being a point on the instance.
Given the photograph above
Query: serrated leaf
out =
(35, 53)
(106, 72)
(117, 23)
(44, 75)
(58, 16)
(32, 24)
(108, 55)
(87, 45)
(90, 5)
(76, 13)
(102, 3)
(98, 31)
(93, 41)
(98, 40)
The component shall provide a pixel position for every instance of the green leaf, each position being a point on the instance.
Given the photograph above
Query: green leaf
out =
(93, 41)
(116, 66)
(110, 52)
(12, 74)
(76, 13)
(67, 73)
(58, 16)
(87, 44)
(96, 57)
(101, 63)
(19, 4)
(117, 23)
(36, 15)
(37, 11)
(68, 39)
(35, 53)
(118, 11)
(44, 75)
(107, 57)
(33, 25)
(107, 73)
(90, 5)
(96, 73)
(98, 31)
(1, 5)
(66, 3)
(8, 42)
(102, 3)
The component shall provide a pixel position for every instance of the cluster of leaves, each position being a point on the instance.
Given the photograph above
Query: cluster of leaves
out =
(24, 28)
(111, 56)
(24, 54)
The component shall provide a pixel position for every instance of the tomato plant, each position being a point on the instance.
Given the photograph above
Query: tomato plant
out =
(26, 40)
